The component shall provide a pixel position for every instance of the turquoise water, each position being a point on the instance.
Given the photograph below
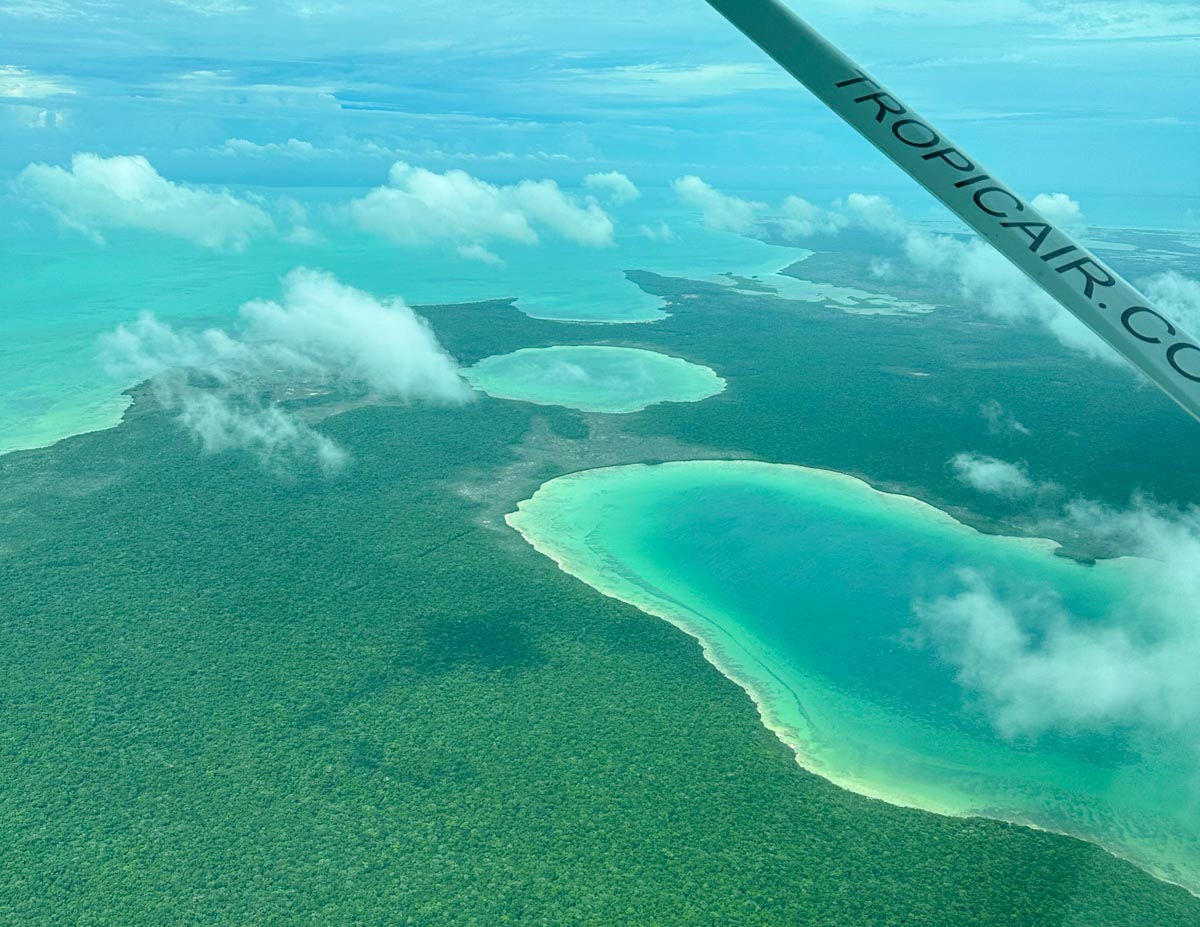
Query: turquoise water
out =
(801, 585)
(593, 378)
(61, 291)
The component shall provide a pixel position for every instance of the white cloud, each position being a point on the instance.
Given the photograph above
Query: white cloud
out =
(1114, 20)
(20, 83)
(277, 439)
(935, 11)
(211, 7)
(432, 153)
(1039, 667)
(349, 334)
(661, 81)
(992, 476)
(1108, 20)
(660, 232)
(321, 333)
(479, 253)
(1000, 420)
(33, 117)
(421, 207)
(795, 218)
(875, 213)
(614, 186)
(37, 9)
(798, 218)
(1178, 297)
(1062, 211)
(98, 194)
(720, 211)
(294, 213)
(292, 148)
(982, 276)
(224, 87)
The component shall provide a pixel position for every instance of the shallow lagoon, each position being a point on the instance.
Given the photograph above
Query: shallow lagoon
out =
(593, 378)
(801, 584)
(70, 290)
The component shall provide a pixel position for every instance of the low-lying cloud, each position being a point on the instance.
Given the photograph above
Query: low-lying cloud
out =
(125, 192)
(1178, 297)
(719, 211)
(292, 148)
(971, 268)
(1039, 667)
(1000, 421)
(980, 275)
(993, 476)
(613, 186)
(321, 333)
(22, 84)
(420, 207)
(795, 218)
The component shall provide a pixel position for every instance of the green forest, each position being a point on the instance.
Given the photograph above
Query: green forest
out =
(232, 697)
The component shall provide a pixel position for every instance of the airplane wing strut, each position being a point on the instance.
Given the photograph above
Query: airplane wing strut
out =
(1059, 264)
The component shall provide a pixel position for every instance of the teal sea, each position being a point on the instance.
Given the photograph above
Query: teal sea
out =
(70, 290)
(802, 584)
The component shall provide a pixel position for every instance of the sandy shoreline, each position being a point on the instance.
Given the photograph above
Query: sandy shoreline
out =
(731, 658)
(495, 375)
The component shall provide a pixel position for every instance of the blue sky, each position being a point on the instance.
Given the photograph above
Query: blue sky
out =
(1096, 98)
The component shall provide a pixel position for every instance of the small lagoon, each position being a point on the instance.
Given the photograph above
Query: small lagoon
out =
(593, 378)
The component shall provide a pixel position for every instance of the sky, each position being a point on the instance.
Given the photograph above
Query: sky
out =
(1094, 98)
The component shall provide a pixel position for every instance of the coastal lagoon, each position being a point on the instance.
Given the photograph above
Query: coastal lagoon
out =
(71, 290)
(593, 378)
(351, 694)
(802, 586)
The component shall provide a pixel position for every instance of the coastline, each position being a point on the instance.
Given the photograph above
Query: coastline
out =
(102, 420)
(770, 694)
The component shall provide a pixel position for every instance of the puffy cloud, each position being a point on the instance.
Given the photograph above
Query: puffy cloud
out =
(1061, 211)
(211, 7)
(720, 211)
(420, 207)
(614, 186)
(348, 334)
(1038, 667)
(278, 439)
(33, 117)
(1178, 297)
(669, 82)
(20, 83)
(798, 218)
(992, 476)
(875, 213)
(795, 218)
(127, 192)
(292, 148)
(321, 333)
(659, 232)
(981, 275)
(972, 268)
(479, 253)
(1000, 420)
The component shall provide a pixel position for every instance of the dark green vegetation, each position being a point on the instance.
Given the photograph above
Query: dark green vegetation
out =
(819, 387)
(233, 699)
